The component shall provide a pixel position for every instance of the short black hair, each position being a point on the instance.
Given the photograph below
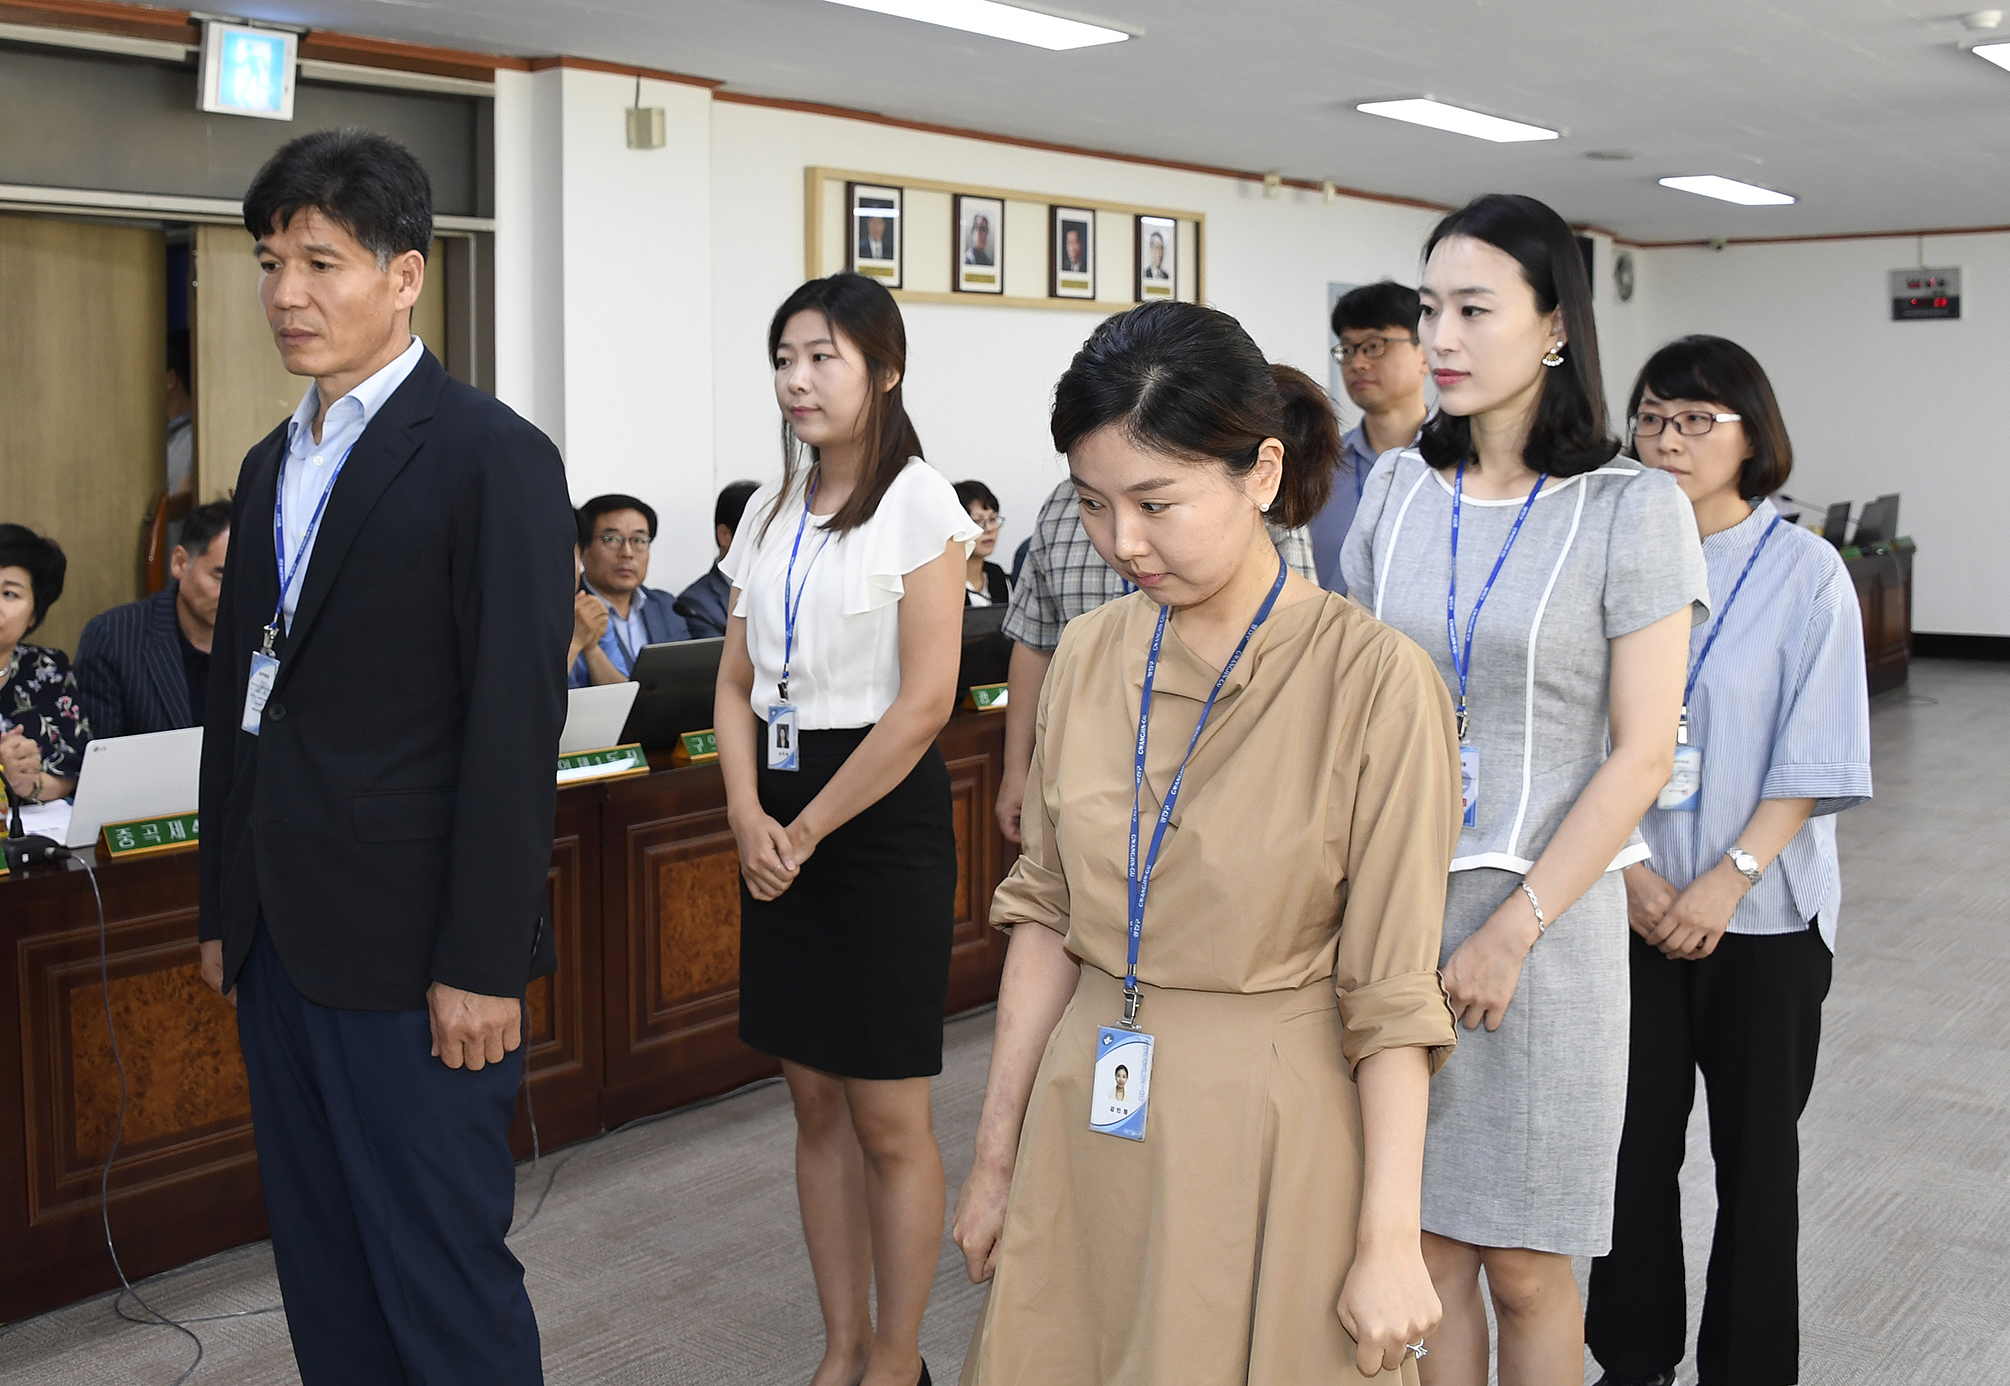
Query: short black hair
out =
(22, 547)
(589, 514)
(971, 493)
(1382, 304)
(180, 359)
(202, 526)
(1719, 371)
(732, 503)
(366, 183)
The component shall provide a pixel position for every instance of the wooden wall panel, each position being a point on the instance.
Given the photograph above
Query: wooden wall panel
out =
(83, 362)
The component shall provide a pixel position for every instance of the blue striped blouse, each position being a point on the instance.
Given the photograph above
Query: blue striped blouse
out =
(1781, 712)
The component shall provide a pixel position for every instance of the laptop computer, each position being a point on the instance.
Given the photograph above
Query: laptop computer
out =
(594, 716)
(1835, 524)
(1878, 524)
(128, 777)
(674, 684)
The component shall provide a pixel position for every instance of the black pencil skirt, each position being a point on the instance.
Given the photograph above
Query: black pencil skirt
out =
(848, 970)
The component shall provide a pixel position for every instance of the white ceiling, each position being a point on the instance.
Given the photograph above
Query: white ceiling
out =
(1866, 110)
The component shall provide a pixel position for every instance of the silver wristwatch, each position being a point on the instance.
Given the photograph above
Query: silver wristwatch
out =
(1746, 863)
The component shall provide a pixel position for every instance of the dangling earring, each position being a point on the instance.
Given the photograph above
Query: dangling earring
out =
(1555, 357)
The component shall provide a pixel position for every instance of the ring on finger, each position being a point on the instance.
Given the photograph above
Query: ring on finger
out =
(1417, 1348)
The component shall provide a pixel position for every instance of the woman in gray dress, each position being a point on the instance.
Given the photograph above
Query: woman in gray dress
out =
(1555, 583)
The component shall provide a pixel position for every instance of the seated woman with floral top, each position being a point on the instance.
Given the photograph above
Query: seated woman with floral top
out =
(42, 727)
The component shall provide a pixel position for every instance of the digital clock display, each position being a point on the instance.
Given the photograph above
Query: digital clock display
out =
(1920, 295)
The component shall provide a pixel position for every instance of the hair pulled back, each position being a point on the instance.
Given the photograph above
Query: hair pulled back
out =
(865, 315)
(1569, 434)
(1187, 381)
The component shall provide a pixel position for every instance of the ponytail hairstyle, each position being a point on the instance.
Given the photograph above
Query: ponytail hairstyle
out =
(865, 315)
(1569, 435)
(1187, 381)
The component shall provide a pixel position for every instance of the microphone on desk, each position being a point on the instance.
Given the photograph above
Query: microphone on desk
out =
(23, 848)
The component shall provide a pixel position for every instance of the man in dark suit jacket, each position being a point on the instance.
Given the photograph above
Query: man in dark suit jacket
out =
(144, 666)
(377, 806)
(703, 603)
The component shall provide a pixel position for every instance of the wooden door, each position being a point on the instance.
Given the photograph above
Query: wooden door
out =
(242, 389)
(83, 365)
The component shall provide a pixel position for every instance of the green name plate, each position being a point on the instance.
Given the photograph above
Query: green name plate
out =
(612, 762)
(985, 696)
(696, 747)
(142, 837)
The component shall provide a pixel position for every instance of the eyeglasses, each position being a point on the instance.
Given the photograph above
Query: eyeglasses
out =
(995, 522)
(1690, 423)
(637, 543)
(1371, 348)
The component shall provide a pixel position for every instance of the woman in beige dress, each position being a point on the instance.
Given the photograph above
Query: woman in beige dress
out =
(1265, 1227)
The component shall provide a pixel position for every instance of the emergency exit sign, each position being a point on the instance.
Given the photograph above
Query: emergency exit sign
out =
(1921, 294)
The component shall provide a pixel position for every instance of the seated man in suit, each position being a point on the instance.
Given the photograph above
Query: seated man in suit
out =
(614, 537)
(703, 603)
(144, 666)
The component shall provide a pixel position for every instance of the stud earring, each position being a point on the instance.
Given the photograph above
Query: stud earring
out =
(1555, 357)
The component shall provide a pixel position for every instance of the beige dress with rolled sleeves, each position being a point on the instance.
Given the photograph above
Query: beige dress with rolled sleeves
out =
(1292, 931)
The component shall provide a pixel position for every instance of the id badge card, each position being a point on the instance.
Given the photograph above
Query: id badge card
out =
(1684, 791)
(1121, 1092)
(1469, 783)
(264, 669)
(783, 752)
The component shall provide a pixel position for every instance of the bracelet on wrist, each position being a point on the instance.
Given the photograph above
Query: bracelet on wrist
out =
(1541, 924)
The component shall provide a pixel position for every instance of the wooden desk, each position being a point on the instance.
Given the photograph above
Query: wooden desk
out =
(641, 1016)
(1884, 594)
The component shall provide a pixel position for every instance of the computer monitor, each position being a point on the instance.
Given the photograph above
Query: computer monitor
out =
(1835, 524)
(676, 681)
(1878, 524)
(987, 654)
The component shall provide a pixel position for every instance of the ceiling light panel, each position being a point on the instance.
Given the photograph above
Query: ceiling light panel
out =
(996, 21)
(1728, 190)
(1998, 53)
(1457, 119)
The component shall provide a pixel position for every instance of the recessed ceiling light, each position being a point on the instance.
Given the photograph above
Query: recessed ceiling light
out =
(1728, 190)
(1998, 53)
(997, 21)
(1457, 119)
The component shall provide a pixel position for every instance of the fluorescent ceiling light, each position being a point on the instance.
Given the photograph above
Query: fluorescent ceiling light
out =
(1998, 53)
(994, 20)
(1728, 190)
(1457, 119)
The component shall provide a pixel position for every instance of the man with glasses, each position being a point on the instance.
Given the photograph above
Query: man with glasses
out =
(1384, 370)
(614, 537)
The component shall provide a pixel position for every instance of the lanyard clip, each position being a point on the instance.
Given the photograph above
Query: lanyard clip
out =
(1462, 723)
(782, 687)
(1133, 998)
(271, 635)
(1682, 727)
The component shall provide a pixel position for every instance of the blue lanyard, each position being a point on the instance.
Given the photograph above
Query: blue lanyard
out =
(791, 610)
(1696, 669)
(288, 574)
(1141, 881)
(1463, 663)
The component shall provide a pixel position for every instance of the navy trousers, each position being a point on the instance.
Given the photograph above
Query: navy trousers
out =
(390, 1187)
(1750, 1017)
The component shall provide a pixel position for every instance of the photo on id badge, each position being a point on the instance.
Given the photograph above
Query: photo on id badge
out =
(1121, 1090)
(782, 748)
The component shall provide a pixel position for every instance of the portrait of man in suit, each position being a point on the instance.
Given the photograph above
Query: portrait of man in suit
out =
(1074, 248)
(875, 238)
(977, 244)
(387, 686)
(1155, 265)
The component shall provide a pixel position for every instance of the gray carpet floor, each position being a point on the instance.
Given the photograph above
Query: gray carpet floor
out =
(670, 1253)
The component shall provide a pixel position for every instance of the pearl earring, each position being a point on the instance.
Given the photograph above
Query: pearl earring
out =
(1555, 357)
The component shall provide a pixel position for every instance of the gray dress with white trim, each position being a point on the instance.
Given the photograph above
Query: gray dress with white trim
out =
(1523, 1144)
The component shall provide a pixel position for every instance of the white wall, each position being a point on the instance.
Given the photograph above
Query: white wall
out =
(980, 379)
(1872, 405)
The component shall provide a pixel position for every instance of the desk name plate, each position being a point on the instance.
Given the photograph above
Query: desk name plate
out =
(143, 837)
(608, 763)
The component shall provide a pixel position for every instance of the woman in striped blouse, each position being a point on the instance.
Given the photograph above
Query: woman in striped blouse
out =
(1734, 917)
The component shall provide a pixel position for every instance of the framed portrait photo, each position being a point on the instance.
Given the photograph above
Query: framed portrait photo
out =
(873, 245)
(1158, 258)
(979, 225)
(1071, 234)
